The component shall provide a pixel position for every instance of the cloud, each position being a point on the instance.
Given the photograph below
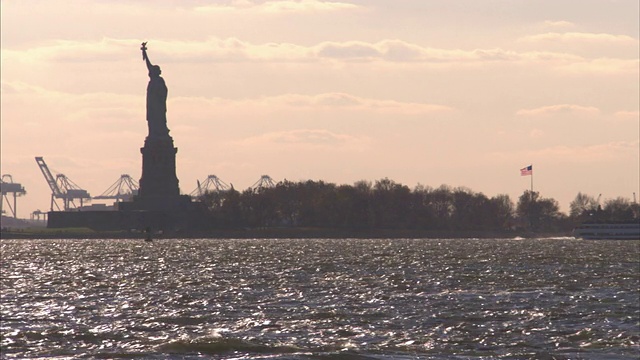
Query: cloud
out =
(349, 50)
(608, 152)
(55, 56)
(559, 109)
(298, 102)
(611, 151)
(68, 51)
(96, 108)
(278, 7)
(307, 139)
(210, 50)
(400, 51)
(114, 113)
(627, 115)
(234, 51)
(602, 66)
(558, 24)
(580, 37)
(536, 134)
(305, 5)
(351, 102)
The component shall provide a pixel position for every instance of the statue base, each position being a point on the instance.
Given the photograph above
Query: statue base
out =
(159, 178)
(159, 204)
(159, 189)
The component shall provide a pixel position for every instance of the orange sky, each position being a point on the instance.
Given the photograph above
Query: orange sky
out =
(462, 93)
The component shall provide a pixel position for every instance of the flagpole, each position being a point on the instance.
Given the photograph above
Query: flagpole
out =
(531, 200)
(532, 180)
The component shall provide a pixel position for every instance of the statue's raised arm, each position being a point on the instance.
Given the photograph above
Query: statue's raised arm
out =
(145, 57)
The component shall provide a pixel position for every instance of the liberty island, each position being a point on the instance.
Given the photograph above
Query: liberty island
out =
(158, 204)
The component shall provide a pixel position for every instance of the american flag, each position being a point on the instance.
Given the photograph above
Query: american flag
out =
(526, 170)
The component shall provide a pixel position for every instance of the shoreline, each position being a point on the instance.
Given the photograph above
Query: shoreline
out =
(272, 233)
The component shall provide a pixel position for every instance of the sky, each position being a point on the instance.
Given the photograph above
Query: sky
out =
(463, 93)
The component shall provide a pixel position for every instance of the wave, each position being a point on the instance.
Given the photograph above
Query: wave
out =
(214, 345)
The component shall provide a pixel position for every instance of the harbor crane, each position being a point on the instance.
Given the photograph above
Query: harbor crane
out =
(211, 184)
(7, 186)
(123, 189)
(265, 182)
(62, 188)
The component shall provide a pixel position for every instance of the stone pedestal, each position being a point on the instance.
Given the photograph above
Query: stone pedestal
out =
(159, 189)
(159, 205)
(159, 178)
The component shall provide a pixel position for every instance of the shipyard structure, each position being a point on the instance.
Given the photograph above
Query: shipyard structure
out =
(158, 205)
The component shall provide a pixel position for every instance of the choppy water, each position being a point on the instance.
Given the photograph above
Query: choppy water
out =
(320, 299)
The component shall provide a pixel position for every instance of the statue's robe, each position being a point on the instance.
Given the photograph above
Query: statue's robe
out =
(157, 107)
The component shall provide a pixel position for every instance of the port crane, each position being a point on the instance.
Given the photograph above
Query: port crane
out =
(62, 188)
(211, 184)
(265, 182)
(7, 186)
(123, 189)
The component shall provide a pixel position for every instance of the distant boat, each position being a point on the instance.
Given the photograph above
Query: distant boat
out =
(608, 231)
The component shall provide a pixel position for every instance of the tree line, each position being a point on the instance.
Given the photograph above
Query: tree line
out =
(385, 204)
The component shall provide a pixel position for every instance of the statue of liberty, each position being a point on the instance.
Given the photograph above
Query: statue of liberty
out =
(156, 99)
